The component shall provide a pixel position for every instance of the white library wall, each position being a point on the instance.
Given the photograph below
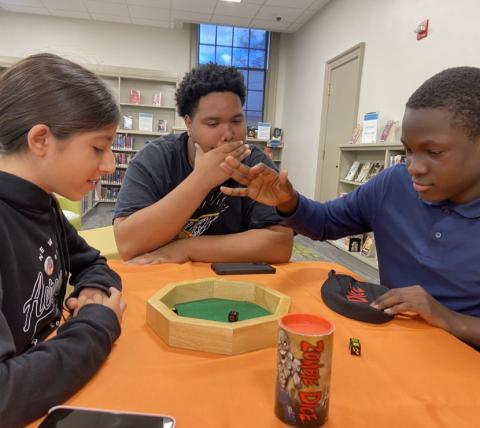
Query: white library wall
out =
(95, 42)
(395, 64)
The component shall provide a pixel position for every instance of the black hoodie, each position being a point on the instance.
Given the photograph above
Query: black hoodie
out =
(39, 249)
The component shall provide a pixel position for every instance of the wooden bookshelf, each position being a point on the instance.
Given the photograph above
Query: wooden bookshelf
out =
(147, 83)
(373, 153)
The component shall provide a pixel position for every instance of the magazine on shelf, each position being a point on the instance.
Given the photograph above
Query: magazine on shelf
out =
(134, 96)
(370, 123)
(263, 130)
(368, 247)
(275, 143)
(354, 244)
(363, 174)
(127, 122)
(162, 125)
(145, 121)
(356, 134)
(388, 132)
(353, 171)
(396, 159)
(374, 170)
(157, 99)
(277, 133)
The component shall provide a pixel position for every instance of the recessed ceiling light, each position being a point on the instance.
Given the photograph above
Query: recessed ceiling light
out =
(232, 1)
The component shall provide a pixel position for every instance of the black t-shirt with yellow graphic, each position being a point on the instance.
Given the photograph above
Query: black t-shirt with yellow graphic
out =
(163, 164)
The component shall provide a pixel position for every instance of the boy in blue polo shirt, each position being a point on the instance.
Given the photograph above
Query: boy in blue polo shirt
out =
(425, 214)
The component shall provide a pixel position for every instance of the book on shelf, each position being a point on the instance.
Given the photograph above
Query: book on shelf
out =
(353, 171)
(374, 170)
(277, 133)
(370, 123)
(127, 122)
(388, 132)
(396, 159)
(134, 96)
(356, 134)
(354, 244)
(275, 143)
(145, 121)
(162, 125)
(157, 99)
(123, 142)
(264, 130)
(363, 174)
(368, 247)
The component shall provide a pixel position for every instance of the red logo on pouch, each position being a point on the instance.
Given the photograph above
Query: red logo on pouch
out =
(356, 294)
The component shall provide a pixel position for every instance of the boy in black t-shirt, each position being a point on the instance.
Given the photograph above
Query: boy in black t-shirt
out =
(171, 189)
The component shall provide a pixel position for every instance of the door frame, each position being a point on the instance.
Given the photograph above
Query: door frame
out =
(357, 51)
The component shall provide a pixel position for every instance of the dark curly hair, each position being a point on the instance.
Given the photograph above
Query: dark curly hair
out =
(204, 80)
(456, 90)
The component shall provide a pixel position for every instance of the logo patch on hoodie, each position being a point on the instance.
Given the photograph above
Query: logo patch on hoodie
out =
(47, 285)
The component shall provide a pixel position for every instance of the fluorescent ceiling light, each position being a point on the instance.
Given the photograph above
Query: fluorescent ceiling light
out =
(232, 1)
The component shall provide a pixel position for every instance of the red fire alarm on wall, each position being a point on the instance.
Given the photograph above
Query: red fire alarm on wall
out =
(422, 30)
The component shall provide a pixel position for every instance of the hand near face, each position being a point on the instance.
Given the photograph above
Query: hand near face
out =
(262, 184)
(173, 252)
(94, 295)
(413, 299)
(207, 164)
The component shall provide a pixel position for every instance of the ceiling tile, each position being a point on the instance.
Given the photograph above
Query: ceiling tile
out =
(151, 22)
(295, 26)
(306, 15)
(110, 18)
(26, 9)
(31, 3)
(70, 13)
(186, 16)
(152, 13)
(299, 4)
(272, 12)
(270, 25)
(165, 4)
(106, 8)
(318, 4)
(171, 13)
(240, 10)
(75, 5)
(201, 6)
(230, 20)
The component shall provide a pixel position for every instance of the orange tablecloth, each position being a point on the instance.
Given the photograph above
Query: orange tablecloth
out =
(409, 375)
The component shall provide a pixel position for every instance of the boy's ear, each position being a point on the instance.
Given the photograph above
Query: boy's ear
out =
(39, 139)
(188, 123)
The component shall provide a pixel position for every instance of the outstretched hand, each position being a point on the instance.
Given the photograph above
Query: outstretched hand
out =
(413, 299)
(262, 184)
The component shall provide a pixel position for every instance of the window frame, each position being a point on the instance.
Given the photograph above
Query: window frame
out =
(253, 116)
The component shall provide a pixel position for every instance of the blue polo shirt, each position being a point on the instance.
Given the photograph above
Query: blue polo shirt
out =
(435, 245)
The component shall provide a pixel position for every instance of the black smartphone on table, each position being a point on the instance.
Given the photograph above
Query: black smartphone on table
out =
(79, 417)
(242, 268)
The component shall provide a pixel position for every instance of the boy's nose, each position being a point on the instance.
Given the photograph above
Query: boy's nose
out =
(415, 166)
